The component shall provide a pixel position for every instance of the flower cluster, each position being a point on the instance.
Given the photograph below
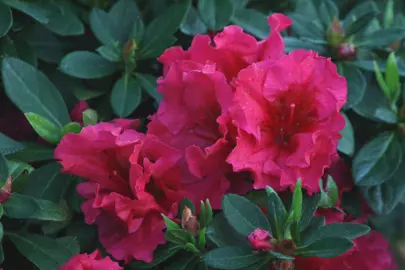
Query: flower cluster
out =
(237, 114)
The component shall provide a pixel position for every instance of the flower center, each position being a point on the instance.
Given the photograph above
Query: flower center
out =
(290, 113)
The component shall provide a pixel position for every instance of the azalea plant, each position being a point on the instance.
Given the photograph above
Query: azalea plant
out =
(209, 134)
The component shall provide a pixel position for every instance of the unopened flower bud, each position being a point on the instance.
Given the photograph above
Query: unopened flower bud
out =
(346, 51)
(335, 33)
(189, 221)
(5, 191)
(260, 240)
(129, 49)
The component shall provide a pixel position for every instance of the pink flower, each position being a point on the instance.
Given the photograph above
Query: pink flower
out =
(193, 115)
(260, 240)
(93, 261)
(76, 114)
(287, 114)
(231, 50)
(131, 179)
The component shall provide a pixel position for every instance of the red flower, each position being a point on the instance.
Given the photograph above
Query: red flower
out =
(192, 118)
(76, 114)
(232, 49)
(260, 240)
(287, 114)
(131, 180)
(93, 261)
(193, 115)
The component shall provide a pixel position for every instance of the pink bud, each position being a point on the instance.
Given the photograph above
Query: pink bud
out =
(347, 51)
(5, 191)
(260, 240)
(77, 111)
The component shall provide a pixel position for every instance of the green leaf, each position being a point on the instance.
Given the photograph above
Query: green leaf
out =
(161, 254)
(46, 46)
(105, 29)
(160, 30)
(325, 248)
(243, 215)
(8, 146)
(44, 128)
(311, 229)
(51, 211)
(17, 168)
(36, 10)
(6, 19)
(44, 252)
(380, 38)
(63, 21)
(297, 201)
(392, 78)
(385, 197)
(72, 127)
(356, 84)
(280, 256)
(331, 196)
(85, 234)
(90, 117)
(87, 65)
(202, 215)
(33, 152)
(231, 257)
(125, 96)
(252, 21)
(222, 234)
(109, 53)
(192, 24)
(124, 13)
(338, 230)
(215, 14)
(4, 171)
(276, 212)
(375, 105)
(157, 49)
(360, 25)
(183, 263)
(346, 143)
(32, 92)
(21, 206)
(381, 81)
(70, 242)
(138, 30)
(377, 161)
(306, 27)
(148, 84)
(47, 183)
(170, 224)
(209, 214)
(309, 206)
(178, 236)
(363, 10)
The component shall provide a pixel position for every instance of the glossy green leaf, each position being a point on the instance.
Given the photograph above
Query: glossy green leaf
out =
(231, 257)
(38, 11)
(63, 21)
(251, 21)
(325, 248)
(392, 78)
(215, 14)
(32, 92)
(306, 27)
(72, 127)
(356, 84)
(276, 212)
(90, 117)
(87, 65)
(243, 215)
(33, 152)
(346, 143)
(105, 29)
(221, 234)
(125, 96)
(4, 171)
(44, 252)
(192, 24)
(47, 183)
(184, 263)
(8, 146)
(160, 30)
(377, 161)
(21, 206)
(6, 19)
(380, 38)
(309, 207)
(337, 230)
(51, 211)
(148, 84)
(124, 13)
(44, 128)
(109, 53)
(330, 197)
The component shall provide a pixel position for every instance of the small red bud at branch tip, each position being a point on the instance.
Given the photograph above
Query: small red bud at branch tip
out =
(260, 240)
(5, 191)
(189, 221)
